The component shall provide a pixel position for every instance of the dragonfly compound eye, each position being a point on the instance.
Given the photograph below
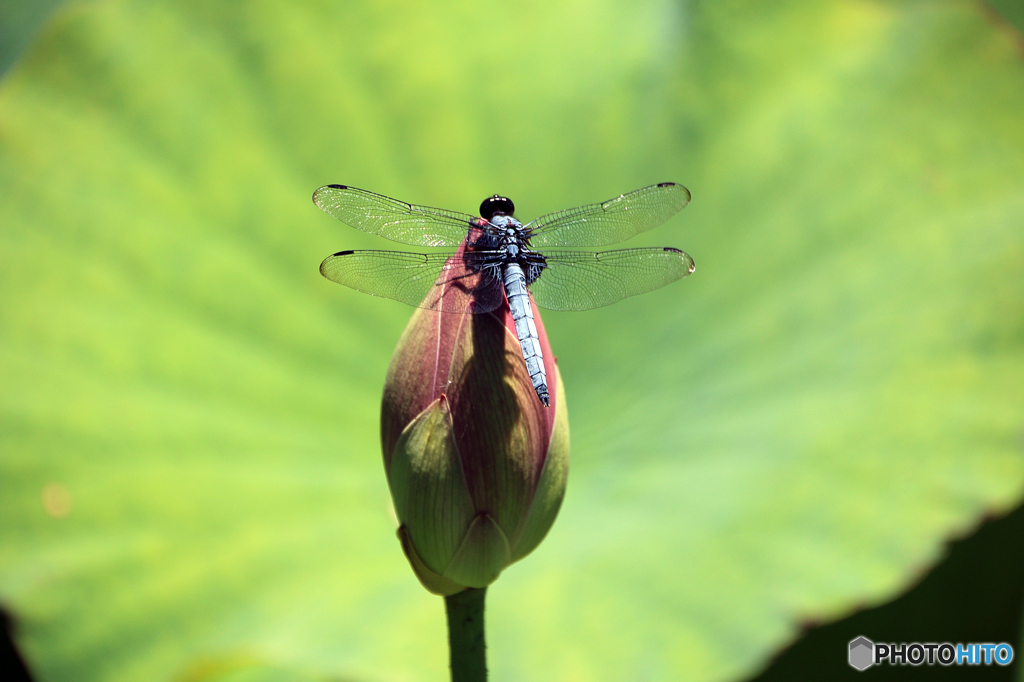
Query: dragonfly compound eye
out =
(492, 206)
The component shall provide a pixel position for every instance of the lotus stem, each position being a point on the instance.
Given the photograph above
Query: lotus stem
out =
(466, 635)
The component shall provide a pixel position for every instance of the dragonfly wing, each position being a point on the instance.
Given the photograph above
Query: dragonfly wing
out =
(449, 283)
(611, 221)
(393, 219)
(581, 280)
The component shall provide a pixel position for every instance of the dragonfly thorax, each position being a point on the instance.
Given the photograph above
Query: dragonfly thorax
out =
(504, 233)
(502, 242)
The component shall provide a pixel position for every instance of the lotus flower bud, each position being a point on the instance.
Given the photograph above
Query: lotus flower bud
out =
(477, 466)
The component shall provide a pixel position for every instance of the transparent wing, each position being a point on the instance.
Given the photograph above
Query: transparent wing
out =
(448, 282)
(393, 219)
(612, 221)
(580, 280)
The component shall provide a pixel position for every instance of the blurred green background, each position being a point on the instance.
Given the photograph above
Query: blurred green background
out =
(190, 476)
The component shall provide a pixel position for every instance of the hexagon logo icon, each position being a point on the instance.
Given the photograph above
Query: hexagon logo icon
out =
(862, 653)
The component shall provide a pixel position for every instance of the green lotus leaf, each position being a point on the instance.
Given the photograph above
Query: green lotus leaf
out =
(189, 457)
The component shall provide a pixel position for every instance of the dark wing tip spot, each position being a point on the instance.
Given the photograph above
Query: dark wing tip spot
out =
(316, 193)
(683, 257)
(676, 184)
(325, 261)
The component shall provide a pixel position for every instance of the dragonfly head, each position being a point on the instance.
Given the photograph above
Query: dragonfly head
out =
(492, 206)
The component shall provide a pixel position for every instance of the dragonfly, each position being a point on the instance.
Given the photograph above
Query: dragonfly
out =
(500, 261)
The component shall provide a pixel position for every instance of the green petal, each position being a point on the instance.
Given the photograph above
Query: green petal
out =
(437, 584)
(428, 488)
(483, 556)
(551, 488)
